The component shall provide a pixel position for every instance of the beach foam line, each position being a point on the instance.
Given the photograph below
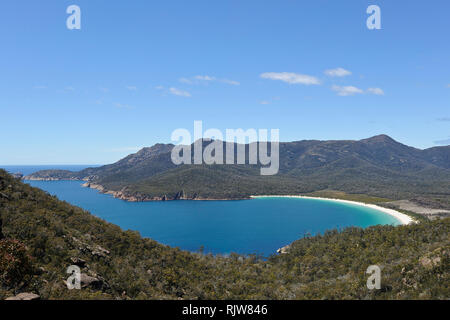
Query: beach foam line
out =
(401, 217)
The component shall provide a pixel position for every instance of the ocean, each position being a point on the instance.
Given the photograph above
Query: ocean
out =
(258, 226)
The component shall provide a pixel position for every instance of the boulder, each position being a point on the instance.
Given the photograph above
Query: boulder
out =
(78, 262)
(99, 251)
(95, 250)
(284, 250)
(25, 296)
(88, 281)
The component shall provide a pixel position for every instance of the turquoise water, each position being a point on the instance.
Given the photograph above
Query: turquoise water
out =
(248, 226)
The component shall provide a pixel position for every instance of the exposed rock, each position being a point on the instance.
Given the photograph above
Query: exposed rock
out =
(284, 249)
(86, 248)
(409, 282)
(430, 263)
(93, 281)
(90, 178)
(18, 175)
(25, 296)
(88, 281)
(98, 187)
(180, 196)
(78, 262)
(99, 251)
(432, 259)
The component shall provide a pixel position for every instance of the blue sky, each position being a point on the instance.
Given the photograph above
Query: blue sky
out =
(137, 70)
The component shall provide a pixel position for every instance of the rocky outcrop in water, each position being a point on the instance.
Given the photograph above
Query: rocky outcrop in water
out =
(52, 175)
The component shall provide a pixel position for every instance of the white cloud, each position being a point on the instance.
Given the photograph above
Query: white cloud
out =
(179, 92)
(205, 78)
(338, 72)
(69, 88)
(376, 91)
(232, 82)
(269, 101)
(131, 88)
(123, 106)
(185, 80)
(174, 91)
(290, 77)
(347, 90)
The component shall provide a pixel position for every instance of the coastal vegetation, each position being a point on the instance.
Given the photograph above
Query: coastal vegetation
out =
(40, 236)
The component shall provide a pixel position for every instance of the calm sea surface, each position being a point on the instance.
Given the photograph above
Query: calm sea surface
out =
(247, 226)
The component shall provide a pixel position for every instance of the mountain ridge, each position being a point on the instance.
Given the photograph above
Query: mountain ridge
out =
(378, 166)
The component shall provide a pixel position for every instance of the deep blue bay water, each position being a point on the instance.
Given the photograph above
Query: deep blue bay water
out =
(26, 170)
(246, 226)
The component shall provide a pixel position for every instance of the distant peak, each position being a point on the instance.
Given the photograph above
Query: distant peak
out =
(157, 146)
(153, 150)
(383, 138)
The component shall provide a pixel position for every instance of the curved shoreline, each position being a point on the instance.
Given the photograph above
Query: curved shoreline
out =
(401, 217)
(404, 219)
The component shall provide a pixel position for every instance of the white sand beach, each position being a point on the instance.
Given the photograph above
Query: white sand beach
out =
(401, 217)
